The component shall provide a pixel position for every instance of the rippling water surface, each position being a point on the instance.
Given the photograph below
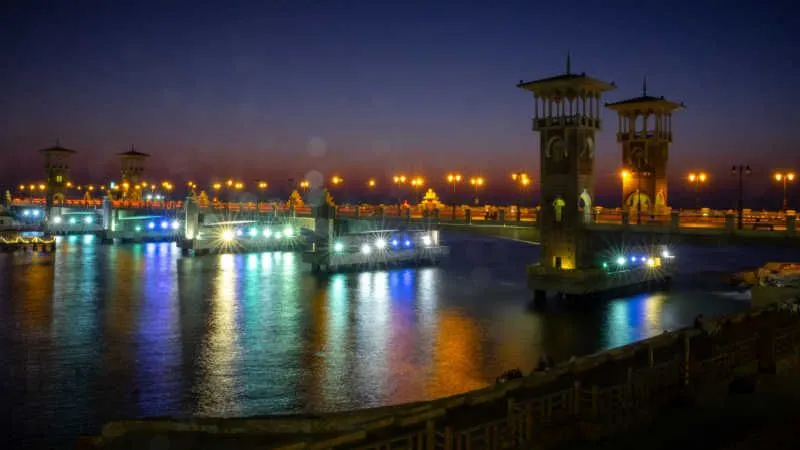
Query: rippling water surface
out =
(105, 332)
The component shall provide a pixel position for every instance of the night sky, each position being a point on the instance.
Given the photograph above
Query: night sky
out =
(274, 89)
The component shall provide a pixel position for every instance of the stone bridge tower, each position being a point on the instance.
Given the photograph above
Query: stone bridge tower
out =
(566, 115)
(644, 128)
(56, 166)
(132, 163)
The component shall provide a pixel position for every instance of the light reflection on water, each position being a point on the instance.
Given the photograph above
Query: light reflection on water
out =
(105, 332)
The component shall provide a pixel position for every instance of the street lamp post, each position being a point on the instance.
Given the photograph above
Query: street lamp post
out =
(696, 179)
(453, 179)
(741, 171)
(477, 183)
(785, 177)
(521, 179)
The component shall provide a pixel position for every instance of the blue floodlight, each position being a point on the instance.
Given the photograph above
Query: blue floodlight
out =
(407, 243)
(151, 226)
(394, 243)
(164, 225)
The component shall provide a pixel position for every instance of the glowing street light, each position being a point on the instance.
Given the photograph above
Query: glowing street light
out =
(453, 179)
(785, 177)
(263, 185)
(476, 182)
(741, 171)
(697, 179)
(371, 183)
(304, 184)
(337, 180)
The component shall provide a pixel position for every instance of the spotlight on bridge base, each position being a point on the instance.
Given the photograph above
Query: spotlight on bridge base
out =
(365, 249)
(164, 225)
(426, 240)
(227, 235)
(621, 261)
(88, 220)
(151, 226)
(288, 232)
(57, 220)
(380, 244)
(338, 247)
(175, 224)
(267, 233)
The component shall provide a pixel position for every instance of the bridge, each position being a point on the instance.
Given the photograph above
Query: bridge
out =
(157, 220)
(595, 397)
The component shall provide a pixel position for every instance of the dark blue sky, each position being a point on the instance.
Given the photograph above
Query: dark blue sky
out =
(368, 88)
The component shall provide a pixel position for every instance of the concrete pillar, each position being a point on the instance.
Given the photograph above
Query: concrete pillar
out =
(674, 220)
(107, 216)
(191, 219)
(519, 214)
(408, 214)
(626, 218)
(324, 216)
(275, 212)
(436, 214)
(501, 216)
(382, 213)
(358, 211)
(292, 211)
(468, 216)
(730, 222)
(791, 224)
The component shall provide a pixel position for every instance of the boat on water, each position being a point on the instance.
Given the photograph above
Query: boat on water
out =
(776, 283)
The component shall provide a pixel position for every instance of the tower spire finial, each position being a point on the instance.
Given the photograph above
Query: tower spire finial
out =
(569, 63)
(644, 86)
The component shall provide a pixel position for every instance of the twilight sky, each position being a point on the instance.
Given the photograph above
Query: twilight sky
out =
(274, 89)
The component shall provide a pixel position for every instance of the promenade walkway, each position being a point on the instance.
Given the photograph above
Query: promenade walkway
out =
(767, 419)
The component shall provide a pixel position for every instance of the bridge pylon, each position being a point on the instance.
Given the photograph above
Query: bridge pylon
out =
(644, 129)
(132, 168)
(566, 115)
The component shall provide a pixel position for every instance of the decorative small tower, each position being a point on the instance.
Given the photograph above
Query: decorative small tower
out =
(566, 115)
(132, 169)
(56, 166)
(644, 128)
